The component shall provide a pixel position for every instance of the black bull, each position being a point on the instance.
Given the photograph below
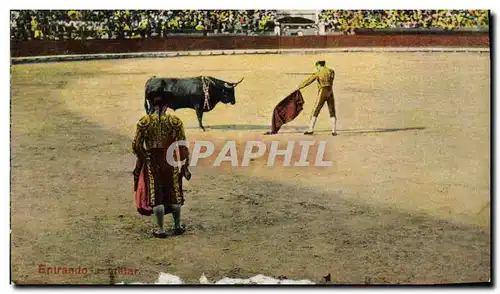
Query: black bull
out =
(190, 93)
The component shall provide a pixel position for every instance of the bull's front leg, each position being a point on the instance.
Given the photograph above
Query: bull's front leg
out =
(199, 114)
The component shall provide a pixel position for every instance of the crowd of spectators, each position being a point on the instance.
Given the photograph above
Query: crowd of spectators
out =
(113, 24)
(349, 20)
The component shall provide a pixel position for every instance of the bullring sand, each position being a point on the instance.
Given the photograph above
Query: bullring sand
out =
(406, 200)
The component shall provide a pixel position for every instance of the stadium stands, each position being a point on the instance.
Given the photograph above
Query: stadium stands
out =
(133, 24)
(349, 20)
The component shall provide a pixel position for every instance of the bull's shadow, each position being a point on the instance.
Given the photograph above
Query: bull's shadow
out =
(300, 129)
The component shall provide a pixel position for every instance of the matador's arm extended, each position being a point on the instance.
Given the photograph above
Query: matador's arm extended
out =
(308, 81)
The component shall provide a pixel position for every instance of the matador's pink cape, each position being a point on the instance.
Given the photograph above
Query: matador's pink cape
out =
(142, 200)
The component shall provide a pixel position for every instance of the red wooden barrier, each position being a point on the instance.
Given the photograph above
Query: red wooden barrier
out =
(46, 47)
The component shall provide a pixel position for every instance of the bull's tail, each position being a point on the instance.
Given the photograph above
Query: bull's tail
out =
(147, 106)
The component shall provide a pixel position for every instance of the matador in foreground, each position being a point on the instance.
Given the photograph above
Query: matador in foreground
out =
(158, 183)
(324, 76)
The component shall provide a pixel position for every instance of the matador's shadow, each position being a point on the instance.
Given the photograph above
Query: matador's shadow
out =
(300, 129)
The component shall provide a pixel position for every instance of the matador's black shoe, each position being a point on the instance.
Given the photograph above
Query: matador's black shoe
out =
(160, 235)
(334, 134)
(179, 231)
(308, 133)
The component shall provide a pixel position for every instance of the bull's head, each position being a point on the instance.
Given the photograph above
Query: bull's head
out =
(228, 92)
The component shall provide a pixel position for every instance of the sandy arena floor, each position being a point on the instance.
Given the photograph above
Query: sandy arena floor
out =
(407, 199)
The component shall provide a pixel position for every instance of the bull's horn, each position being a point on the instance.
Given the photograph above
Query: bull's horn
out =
(236, 84)
(232, 85)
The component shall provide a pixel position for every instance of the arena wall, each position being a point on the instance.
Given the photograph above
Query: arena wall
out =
(195, 43)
